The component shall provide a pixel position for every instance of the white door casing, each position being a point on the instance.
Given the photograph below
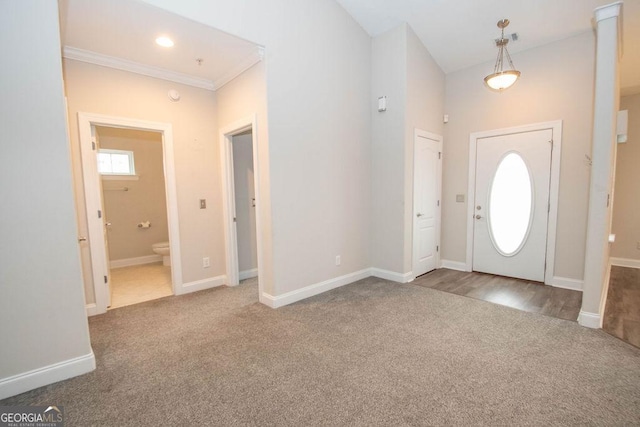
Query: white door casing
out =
(427, 169)
(520, 250)
(93, 202)
(538, 146)
(95, 139)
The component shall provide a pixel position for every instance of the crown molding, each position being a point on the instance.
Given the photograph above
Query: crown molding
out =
(254, 57)
(145, 70)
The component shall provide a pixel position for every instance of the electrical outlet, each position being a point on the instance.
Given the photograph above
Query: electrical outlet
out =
(206, 262)
(338, 260)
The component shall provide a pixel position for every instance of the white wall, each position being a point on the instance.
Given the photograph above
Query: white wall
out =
(626, 204)
(318, 72)
(242, 97)
(42, 317)
(556, 84)
(404, 72)
(425, 107)
(243, 180)
(100, 90)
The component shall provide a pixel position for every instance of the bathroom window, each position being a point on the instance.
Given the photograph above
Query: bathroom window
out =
(116, 163)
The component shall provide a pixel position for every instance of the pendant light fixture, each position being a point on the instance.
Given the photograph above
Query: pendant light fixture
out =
(502, 79)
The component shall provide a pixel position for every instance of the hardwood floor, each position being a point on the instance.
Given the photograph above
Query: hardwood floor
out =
(622, 310)
(533, 297)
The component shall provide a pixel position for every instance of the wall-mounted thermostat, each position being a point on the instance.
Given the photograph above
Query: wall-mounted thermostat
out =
(382, 104)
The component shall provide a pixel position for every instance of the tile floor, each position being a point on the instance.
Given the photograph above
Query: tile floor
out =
(139, 283)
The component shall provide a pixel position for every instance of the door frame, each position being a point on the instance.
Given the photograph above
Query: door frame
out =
(419, 133)
(554, 187)
(228, 198)
(91, 184)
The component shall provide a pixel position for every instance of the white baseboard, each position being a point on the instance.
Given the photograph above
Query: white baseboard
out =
(128, 262)
(565, 283)
(47, 375)
(453, 265)
(590, 320)
(200, 285)
(312, 290)
(92, 309)
(249, 274)
(625, 262)
(392, 275)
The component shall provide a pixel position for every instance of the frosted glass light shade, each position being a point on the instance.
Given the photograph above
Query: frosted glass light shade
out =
(502, 80)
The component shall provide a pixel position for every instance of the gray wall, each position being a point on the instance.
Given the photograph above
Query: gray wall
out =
(404, 71)
(42, 316)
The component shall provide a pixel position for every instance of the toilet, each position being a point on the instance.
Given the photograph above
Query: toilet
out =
(162, 248)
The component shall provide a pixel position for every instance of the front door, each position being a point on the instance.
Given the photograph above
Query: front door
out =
(512, 204)
(426, 203)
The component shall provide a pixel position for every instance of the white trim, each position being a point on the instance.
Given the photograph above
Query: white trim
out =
(26, 381)
(392, 275)
(625, 262)
(453, 265)
(251, 60)
(566, 283)
(95, 58)
(418, 133)
(200, 285)
(312, 290)
(92, 189)
(128, 262)
(554, 187)
(135, 67)
(92, 309)
(589, 320)
(248, 274)
(228, 198)
(612, 10)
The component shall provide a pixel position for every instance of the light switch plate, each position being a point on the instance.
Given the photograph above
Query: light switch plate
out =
(203, 203)
(460, 198)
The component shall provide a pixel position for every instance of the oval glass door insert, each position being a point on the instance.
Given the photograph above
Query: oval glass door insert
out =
(510, 204)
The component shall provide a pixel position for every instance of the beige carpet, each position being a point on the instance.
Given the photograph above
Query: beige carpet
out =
(371, 353)
(139, 283)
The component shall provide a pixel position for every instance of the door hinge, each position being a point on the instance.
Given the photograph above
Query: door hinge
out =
(93, 144)
(608, 199)
(105, 279)
(437, 248)
(234, 220)
(439, 155)
(99, 214)
(438, 202)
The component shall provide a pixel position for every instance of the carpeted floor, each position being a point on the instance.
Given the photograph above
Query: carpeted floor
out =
(371, 353)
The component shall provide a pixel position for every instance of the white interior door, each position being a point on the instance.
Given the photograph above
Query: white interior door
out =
(426, 202)
(512, 204)
(103, 219)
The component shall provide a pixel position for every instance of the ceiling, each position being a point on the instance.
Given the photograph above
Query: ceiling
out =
(122, 33)
(457, 33)
(461, 33)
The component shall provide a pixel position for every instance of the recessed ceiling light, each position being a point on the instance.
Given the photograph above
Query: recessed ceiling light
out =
(164, 41)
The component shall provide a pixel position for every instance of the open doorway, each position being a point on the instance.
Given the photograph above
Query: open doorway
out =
(131, 168)
(239, 148)
(114, 216)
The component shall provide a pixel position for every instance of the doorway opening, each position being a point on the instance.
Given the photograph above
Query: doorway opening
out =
(241, 201)
(513, 201)
(131, 209)
(131, 168)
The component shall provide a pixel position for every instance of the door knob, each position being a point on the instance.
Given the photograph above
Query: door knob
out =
(82, 239)
(419, 215)
(478, 216)
(108, 224)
